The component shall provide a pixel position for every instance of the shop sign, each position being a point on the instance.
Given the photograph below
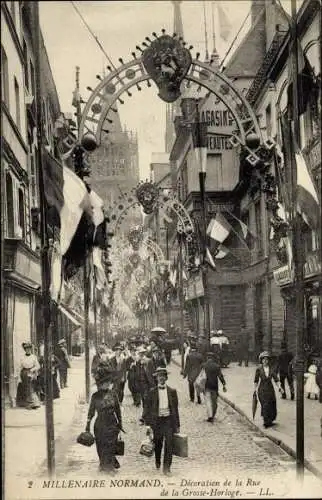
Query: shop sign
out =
(313, 153)
(312, 267)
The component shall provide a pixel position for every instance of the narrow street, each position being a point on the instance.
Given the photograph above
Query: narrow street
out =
(229, 448)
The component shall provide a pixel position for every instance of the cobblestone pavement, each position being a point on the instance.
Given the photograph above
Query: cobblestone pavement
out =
(228, 448)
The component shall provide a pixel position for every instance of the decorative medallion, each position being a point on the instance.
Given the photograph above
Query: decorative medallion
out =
(167, 62)
(147, 195)
(135, 236)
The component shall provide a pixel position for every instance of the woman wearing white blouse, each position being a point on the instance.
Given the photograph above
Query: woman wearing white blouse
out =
(29, 368)
(265, 389)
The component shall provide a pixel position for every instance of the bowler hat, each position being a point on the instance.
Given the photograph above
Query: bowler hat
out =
(160, 370)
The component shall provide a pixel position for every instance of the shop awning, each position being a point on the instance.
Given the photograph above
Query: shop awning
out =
(69, 316)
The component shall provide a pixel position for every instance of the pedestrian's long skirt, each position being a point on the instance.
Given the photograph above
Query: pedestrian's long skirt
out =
(106, 432)
(26, 394)
(267, 399)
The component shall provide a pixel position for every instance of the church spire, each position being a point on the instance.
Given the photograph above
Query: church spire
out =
(214, 56)
(206, 33)
(177, 24)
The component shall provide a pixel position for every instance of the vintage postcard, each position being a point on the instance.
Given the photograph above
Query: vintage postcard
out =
(161, 249)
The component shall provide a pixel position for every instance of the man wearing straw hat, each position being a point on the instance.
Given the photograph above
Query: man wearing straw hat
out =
(162, 415)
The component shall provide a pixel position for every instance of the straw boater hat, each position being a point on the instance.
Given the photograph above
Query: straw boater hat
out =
(61, 341)
(159, 370)
(264, 354)
(141, 349)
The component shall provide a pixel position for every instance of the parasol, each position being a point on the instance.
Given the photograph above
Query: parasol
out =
(158, 329)
(254, 403)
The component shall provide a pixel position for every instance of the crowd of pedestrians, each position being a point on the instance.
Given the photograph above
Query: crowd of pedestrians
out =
(141, 362)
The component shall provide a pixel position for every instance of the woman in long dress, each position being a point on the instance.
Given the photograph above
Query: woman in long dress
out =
(108, 423)
(29, 368)
(265, 389)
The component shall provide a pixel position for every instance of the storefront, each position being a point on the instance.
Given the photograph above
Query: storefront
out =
(312, 303)
(22, 281)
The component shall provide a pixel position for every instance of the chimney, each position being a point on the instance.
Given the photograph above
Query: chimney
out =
(257, 7)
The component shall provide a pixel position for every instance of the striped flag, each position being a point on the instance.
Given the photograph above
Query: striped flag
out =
(221, 252)
(199, 138)
(305, 81)
(67, 199)
(209, 259)
(173, 277)
(219, 228)
(308, 204)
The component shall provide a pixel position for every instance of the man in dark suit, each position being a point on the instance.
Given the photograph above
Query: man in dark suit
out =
(118, 363)
(192, 369)
(285, 370)
(143, 378)
(162, 415)
(213, 373)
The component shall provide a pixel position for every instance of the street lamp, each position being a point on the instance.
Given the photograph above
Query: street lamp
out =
(199, 136)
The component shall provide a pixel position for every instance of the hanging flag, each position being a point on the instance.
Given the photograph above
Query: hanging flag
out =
(225, 26)
(308, 204)
(209, 259)
(221, 252)
(56, 279)
(200, 144)
(97, 205)
(219, 228)
(67, 193)
(243, 232)
(305, 81)
(100, 276)
(173, 277)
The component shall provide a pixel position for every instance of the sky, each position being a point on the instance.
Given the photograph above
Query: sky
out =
(120, 26)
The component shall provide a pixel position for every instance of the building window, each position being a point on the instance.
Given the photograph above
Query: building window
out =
(33, 182)
(17, 103)
(21, 212)
(25, 61)
(10, 206)
(32, 78)
(4, 77)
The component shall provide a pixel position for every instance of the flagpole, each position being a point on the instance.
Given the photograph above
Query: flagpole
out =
(202, 186)
(297, 255)
(45, 267)
(181, 296)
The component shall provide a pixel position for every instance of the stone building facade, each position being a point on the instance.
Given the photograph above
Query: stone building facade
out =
(244, 289)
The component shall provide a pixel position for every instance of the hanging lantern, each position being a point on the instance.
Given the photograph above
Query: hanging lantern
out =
(252, 141)
(89, 142)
